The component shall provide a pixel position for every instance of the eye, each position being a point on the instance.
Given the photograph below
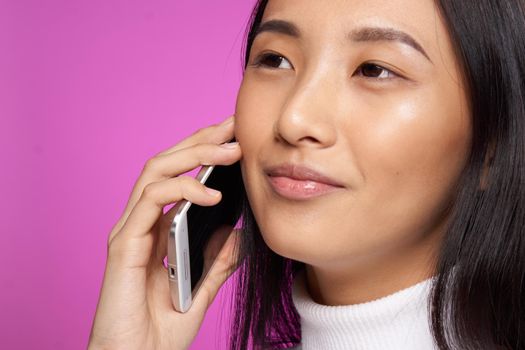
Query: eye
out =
(374, 71)
(272, 60)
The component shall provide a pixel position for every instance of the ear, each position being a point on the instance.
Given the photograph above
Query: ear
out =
(487, 162)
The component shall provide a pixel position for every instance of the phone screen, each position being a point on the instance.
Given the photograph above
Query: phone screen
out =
(204, 221)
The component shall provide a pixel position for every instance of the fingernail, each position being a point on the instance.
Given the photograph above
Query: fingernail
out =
(229, 145)
(212, 192)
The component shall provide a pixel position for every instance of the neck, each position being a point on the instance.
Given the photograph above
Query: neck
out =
(358, 283)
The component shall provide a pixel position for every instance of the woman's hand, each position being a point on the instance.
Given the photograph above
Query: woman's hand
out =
(135, 310)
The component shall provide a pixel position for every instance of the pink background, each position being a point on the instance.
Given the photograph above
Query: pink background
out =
(89, 90)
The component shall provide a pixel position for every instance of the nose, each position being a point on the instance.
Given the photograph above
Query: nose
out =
(307, 118)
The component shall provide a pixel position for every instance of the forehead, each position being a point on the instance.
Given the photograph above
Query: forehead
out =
(333, 19)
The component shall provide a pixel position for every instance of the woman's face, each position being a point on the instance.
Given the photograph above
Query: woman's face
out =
(369, 95)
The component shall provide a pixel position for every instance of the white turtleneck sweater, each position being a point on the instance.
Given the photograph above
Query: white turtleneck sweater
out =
(395, 322)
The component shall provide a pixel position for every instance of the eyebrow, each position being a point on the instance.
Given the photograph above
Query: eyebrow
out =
(361, 34)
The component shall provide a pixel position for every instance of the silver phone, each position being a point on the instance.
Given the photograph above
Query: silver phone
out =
(191, 252)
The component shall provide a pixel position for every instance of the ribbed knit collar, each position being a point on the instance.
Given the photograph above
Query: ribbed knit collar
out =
(397, 321)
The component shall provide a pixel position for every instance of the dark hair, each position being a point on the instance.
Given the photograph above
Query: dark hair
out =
(477, 300)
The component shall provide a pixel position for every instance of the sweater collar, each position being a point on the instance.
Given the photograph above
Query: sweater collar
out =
(399, 319)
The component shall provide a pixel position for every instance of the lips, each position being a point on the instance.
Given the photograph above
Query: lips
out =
(298, 182)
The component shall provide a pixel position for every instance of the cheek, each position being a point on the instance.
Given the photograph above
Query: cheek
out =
(252, 114)
(411, 155)
(257, 108)
(253, 111)
(424, 138)
(259, 103)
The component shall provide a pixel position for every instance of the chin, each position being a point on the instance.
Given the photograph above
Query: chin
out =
(297, 243)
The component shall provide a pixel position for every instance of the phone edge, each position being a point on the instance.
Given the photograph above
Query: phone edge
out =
(178, 251)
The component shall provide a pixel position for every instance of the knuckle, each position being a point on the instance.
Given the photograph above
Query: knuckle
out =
(109, 242)
(185, 184)
(151, 165)
(201, 155)
(150, 191)
(207, 153)
(111, 236)
(115, 247)
(119, 250)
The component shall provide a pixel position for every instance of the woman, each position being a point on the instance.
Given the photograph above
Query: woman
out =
(383, 157)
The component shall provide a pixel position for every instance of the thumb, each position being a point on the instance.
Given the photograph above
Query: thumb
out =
(223, 267)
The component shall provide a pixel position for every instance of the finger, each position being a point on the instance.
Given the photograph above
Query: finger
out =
(186, 159)
(173, 164)
(161, 243)
(156, 195)
(223, 267)
(217, 133)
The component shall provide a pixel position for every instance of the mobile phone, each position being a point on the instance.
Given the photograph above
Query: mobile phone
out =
(189, 254)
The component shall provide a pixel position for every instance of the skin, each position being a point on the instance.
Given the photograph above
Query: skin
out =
(398, 145)
(134, 309)
(397, 137)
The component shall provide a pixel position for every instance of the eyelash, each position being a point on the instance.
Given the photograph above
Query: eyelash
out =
(259, 63)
